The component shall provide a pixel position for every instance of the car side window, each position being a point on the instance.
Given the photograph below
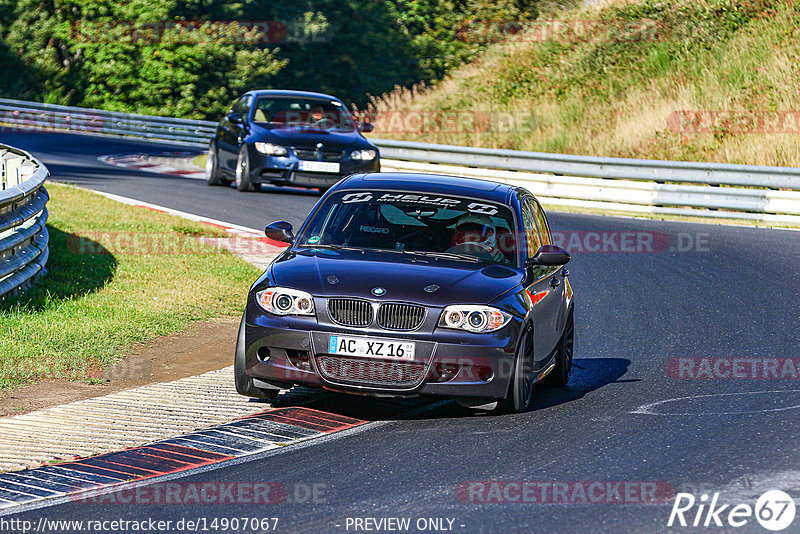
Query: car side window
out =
(532, 240)
(541, 222)
(243, 105)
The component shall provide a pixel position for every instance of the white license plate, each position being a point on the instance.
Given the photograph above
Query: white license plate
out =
(371, 348)
(319, 166)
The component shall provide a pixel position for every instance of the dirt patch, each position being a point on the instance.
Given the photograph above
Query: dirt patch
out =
(206, 346)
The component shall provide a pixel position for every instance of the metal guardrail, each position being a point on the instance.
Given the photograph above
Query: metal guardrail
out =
(769, 194)
(635, 196)
(35, 116)
(23, 214)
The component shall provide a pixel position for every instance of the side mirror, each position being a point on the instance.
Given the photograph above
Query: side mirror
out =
(280, 231)
(236, 118)
(549, 255)
(365, 127)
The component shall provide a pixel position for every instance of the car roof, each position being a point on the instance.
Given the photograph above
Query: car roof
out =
(286, 92)
(431, 183)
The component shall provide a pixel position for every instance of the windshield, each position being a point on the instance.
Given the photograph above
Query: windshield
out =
(452, 227)
(303, 113)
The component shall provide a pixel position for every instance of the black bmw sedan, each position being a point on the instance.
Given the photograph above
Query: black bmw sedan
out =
(413, 284)
(288, 138)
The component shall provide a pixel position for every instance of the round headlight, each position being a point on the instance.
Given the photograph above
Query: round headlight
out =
(283, 303)
(304, 304)
(477, 320)
(454, 319)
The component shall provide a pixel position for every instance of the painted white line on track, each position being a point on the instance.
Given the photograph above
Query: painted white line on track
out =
(251, 232)
(651, 408)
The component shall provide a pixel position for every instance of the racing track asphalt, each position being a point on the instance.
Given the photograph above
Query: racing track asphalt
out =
(735, 296)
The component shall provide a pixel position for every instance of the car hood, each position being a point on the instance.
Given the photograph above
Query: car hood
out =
(308, 138)
(404, 277)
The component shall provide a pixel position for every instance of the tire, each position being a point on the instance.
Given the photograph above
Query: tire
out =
(243, 381)
(520, 390)
(213, 176)
(559, 376)
(243, 182)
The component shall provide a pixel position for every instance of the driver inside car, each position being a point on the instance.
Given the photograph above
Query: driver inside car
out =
(318, 118)
(476, 234)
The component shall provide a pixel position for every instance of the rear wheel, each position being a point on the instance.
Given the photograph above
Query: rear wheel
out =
(213, 176)
(520, 390)
(559, 376)
(243, 181)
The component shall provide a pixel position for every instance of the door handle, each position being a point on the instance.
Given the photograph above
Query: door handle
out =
(554, 282)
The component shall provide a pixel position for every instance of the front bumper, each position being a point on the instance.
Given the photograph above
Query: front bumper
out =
(284, 351)
(284, 170)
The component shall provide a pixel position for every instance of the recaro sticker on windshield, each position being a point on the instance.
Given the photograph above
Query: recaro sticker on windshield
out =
(439, 201)
(374, 230)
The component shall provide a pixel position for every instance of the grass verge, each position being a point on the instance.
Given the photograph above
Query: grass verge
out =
(118, 275)
(199, 160)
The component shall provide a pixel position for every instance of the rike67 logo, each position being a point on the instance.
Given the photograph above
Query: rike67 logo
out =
(774, 510)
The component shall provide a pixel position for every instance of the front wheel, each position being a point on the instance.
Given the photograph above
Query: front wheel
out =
(243, 381)
(243, 181)
(559, 376)
(520, 390)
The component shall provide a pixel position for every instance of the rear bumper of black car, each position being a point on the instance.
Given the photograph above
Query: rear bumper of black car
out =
(280, 352)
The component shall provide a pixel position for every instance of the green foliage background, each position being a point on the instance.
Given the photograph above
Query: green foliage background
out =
(350, 48)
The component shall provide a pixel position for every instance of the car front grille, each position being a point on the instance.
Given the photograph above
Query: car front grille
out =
(350, 312)
(315, 178)
(312, 155)
(370, 372)
(400, 316)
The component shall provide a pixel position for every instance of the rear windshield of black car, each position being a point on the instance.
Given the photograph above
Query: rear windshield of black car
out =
(460, 228)
(303, 113)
